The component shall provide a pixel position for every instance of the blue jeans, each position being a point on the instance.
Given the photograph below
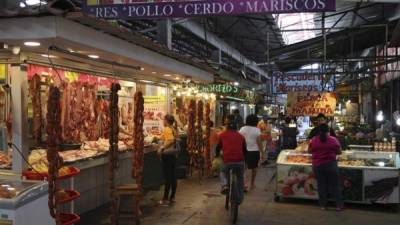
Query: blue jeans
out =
(328, 180)
(240, 179)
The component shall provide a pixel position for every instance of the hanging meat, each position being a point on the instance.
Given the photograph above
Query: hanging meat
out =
(53, 130)
(79, 113)
(65, 112)
(138, 135)
(34, 92)
(88, 131)
(102, 112)
(113, 153)
(207, 148)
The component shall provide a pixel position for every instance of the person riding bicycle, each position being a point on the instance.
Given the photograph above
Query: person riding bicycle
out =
(233, 145)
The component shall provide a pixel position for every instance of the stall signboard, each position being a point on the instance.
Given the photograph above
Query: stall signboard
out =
(311, 103)
(154, 112)
(218, 89)
(131, 9)
(3, 72)
(283, 83)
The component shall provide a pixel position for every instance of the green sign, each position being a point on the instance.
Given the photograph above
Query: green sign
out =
(218, 89)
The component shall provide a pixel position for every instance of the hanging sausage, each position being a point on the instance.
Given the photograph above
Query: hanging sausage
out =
(34, 92)
(53, 130)
(191, 134)
(138, 135)
(207, 147)
(199, 139)
(113, 153)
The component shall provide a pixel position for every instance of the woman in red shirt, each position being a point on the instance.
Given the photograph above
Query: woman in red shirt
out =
(324, 149)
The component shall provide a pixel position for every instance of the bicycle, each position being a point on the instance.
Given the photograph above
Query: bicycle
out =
(232, 195)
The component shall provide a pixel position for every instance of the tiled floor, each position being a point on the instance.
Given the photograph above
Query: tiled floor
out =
(201, 204)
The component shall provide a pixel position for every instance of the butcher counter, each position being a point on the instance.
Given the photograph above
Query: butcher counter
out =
(92, 181)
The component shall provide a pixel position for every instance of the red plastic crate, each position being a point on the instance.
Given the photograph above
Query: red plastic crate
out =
(72, 195)
(69, 218)
(33, 175)
(73, 171)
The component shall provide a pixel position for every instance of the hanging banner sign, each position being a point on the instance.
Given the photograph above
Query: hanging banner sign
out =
(152, 10)
(283, 83)
(311, 103)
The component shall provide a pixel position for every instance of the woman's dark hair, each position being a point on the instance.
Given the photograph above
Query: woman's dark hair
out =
(231, 124)
(172, 122)
(252, 120)
(288, 120)
(323, 132)
(170, 119)
(322, 116)
(211, 123)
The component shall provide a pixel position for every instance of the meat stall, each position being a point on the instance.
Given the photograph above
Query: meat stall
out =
(85, 123)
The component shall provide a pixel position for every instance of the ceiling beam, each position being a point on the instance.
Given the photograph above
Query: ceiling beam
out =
(199, 31)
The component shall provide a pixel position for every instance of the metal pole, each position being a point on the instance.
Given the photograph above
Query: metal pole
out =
(268, 59)
(324, 34)
(19, 117)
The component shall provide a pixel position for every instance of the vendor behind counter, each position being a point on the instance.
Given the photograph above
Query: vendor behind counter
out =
(321, 119)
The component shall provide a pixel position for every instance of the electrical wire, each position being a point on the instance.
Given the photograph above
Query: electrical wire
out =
(53, 66)
(27, 162)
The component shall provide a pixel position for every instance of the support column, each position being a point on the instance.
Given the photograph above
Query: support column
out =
(164, 32)
(19, 92)
(216, 56)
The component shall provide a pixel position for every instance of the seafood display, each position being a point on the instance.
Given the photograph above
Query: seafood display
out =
(365, 176)
(299, 159)
(344, 160)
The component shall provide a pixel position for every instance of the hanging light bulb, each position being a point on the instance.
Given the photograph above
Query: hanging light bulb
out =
(175, 88)
(398, 122)
(379, 116)
(178, 94)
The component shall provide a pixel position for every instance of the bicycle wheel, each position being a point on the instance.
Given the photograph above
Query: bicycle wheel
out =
(233, 200)
(234, 212)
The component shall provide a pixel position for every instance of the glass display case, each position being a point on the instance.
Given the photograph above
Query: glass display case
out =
(362, 159)
(22, 202)
(368, 159)
(361, 147)
(366, 176)
(10, 189)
